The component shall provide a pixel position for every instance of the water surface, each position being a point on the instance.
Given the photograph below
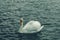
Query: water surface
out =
(45, 11)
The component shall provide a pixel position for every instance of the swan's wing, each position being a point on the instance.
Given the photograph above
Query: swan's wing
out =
(31, 30)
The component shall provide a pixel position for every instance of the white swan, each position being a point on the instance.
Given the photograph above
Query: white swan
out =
(30, 27)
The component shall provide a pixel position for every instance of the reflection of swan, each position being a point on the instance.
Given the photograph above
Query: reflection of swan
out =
(30, 27)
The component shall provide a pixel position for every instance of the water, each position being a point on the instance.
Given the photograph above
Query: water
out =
(45, 11)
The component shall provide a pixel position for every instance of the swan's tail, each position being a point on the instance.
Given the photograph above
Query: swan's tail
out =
(40, 28)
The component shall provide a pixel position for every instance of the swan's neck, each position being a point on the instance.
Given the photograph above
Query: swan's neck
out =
(21, 24)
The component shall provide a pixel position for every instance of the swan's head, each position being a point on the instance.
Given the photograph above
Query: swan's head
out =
(21, 21)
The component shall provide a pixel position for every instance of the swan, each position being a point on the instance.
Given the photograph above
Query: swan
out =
(30, 27)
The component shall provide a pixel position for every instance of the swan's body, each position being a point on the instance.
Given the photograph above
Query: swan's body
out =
(31, 27)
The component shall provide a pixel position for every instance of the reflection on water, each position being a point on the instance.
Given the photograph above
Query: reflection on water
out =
(29, 36)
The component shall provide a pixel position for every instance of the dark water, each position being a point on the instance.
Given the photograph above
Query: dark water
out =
(45, 11)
